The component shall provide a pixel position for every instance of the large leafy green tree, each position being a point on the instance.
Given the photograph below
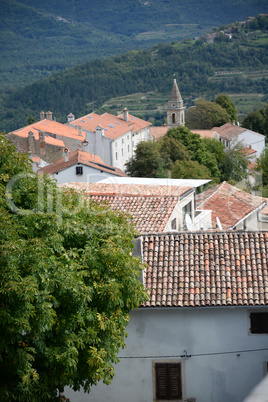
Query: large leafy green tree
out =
(234, 166)
(206, 115)
(189, 169)
(67, 284)
(257, 121)
(147, 161)
(197, 149)
(263, 167)
(226, 103)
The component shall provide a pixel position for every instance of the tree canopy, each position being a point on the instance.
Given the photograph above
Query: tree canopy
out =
(183, 154)
(67, 284)
(257, 121)
(226, 103)
(206, 115)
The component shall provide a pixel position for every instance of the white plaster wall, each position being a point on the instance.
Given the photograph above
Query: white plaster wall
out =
(122, 147)
(257, 141)
(223, 366)
(89, 175)
(252, 222)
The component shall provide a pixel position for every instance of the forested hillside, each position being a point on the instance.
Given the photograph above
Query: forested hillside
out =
(39, 38)
(232, 66)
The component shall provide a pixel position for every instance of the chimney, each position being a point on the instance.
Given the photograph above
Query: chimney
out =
(99, 139)
(41, 136)
(31, 142)
(42, 144)
(85, 145)
(42, 115)
(49, 115)
(70, 117)
(125, 114)
(66, 154)
(80, 133)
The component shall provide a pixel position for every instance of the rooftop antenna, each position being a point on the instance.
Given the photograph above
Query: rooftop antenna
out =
(219, 223)
(188, 222)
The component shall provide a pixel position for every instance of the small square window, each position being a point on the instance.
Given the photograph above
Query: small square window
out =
(79, 170)
(259, 323)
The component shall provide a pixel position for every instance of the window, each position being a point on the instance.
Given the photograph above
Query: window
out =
(128, 148)
(174, 223)
(168, 382)
(122, 140)
(79, 170)
(122, 151)
(173, 118)
(116, 156)
(259, 323)
(116, 145)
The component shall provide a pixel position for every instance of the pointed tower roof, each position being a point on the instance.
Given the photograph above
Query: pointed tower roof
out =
(175, 95)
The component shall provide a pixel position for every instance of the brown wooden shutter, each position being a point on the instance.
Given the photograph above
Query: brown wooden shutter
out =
(168, 381)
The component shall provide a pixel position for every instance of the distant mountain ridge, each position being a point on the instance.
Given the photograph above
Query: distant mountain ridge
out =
(228, 65)
(40, 38)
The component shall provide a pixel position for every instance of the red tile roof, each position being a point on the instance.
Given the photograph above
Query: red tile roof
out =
(206, 269)
(136, 189)
(158, 132)
(50, 127)
(206, 133)
(149, 213)
(228, 203)
(150, 206)
(229, 131)
(249, 151)
(114, 126)
(84, 158)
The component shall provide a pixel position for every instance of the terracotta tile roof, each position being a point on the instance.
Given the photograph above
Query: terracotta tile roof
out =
(114, 126)
(229, 131)
(149, 213)
(158, 132)
(84, 158)
(36, 159)
(150, 206)
(228, 203)
(205, 133)
(54, 141)
(50, 127)
(206, 269)
(132, 189)
(249, 151)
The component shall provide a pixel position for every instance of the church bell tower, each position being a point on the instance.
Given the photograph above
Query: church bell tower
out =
(175, 109)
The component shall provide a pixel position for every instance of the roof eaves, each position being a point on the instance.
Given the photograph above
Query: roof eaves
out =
(247, 215)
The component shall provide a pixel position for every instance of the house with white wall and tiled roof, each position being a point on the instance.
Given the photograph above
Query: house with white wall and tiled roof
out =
(113, 138)
(79, 166)
(231, 133)
(202, 334)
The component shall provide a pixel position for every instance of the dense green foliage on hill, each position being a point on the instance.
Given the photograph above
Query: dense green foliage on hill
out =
(196, 66)
(40, 38)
